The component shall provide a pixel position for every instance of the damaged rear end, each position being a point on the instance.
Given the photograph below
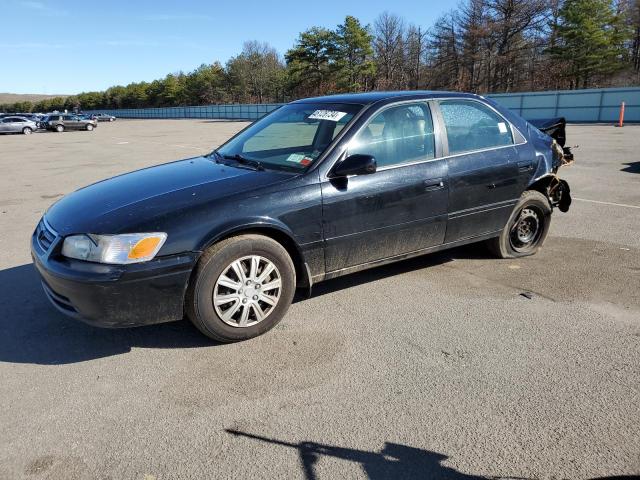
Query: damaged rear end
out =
(555, 138)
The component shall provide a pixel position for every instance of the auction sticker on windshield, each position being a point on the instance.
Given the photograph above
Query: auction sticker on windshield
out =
(332, 115)
(300, 158)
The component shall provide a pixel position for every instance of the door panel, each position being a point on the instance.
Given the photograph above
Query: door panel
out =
(483, 167)
(400, 208)
(390, 212)
(483, 188)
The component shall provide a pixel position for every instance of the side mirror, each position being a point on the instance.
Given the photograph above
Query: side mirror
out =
(355, 165)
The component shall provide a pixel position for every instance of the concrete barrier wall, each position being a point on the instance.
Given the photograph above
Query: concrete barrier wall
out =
(577, 106)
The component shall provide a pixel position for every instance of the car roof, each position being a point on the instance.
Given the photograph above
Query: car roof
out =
(373, 97)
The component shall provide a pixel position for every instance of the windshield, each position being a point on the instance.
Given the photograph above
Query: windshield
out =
(292, 137)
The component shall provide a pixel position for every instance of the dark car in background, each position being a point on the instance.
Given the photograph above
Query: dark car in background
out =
(17, 124)
(60, 122)
(319, 188)
(103, 117)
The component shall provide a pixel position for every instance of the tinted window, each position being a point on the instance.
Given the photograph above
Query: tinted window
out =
(473, 126)
(397, 135)
(7, 120)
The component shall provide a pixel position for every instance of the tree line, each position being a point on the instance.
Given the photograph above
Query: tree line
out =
(483, 46)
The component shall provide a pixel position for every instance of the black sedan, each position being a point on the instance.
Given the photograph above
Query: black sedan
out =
(321, 187)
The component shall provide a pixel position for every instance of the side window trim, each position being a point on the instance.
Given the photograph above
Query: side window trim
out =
(445, 140)
(426, 103)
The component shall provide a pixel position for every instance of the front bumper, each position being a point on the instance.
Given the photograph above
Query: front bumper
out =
(113, 295)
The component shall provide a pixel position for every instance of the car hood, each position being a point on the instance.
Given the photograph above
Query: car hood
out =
(141, 198)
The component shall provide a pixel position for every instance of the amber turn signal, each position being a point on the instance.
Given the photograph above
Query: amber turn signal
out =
(144, 248)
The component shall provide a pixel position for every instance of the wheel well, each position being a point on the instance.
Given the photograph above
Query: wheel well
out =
(302, 275)
(542, 185)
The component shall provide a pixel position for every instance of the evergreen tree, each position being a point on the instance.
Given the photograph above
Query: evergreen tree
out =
(310, 61)
(590, 41)
(352, 56)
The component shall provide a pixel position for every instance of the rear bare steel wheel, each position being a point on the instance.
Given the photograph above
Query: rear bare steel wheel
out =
(527, 228)
(241, 288)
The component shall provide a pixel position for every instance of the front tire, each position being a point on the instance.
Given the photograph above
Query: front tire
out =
(89, 127)
(59, 128)
(27, 131)
(241, 288)
(527, 228)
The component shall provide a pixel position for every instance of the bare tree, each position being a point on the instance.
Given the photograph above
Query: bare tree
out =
(388, 48)
(511, 22)
(415, 53)
(473, 37)
(630, 9)
(444, 56)
(256, 72)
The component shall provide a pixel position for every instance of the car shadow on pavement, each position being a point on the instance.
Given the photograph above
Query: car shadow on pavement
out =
(473, 251)
(32, 331)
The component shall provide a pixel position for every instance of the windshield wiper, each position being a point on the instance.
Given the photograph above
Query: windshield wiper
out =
(217, 155)
(245, 161)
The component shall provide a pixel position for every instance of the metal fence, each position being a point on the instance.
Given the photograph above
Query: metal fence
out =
(222, 112)
(577, 106)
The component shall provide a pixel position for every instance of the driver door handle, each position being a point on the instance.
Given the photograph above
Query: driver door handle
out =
(433, 184)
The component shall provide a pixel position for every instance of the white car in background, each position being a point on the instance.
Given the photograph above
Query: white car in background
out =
(16, 124)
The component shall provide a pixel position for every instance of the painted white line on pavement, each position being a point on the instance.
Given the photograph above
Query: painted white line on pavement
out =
(607, 203)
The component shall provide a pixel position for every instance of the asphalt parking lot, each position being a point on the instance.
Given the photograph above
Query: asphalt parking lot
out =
(437, 367)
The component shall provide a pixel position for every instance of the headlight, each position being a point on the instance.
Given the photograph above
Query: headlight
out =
(119, 249)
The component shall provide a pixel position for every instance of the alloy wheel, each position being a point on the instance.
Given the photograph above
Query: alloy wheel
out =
(247, 291)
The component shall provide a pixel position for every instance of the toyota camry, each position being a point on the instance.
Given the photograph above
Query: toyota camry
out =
(319, 188)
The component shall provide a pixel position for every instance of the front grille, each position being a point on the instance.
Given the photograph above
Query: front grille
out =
(45, 235)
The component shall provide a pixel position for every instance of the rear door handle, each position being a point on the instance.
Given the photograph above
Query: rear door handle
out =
(525, 166)
(433, 184)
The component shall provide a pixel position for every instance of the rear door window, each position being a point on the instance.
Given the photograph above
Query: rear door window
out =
(473, 126)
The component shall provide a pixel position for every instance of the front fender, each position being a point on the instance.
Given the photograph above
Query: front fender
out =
(306, 261)
(242, 225)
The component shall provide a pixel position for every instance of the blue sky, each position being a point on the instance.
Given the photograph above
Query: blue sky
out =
(72, 46)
